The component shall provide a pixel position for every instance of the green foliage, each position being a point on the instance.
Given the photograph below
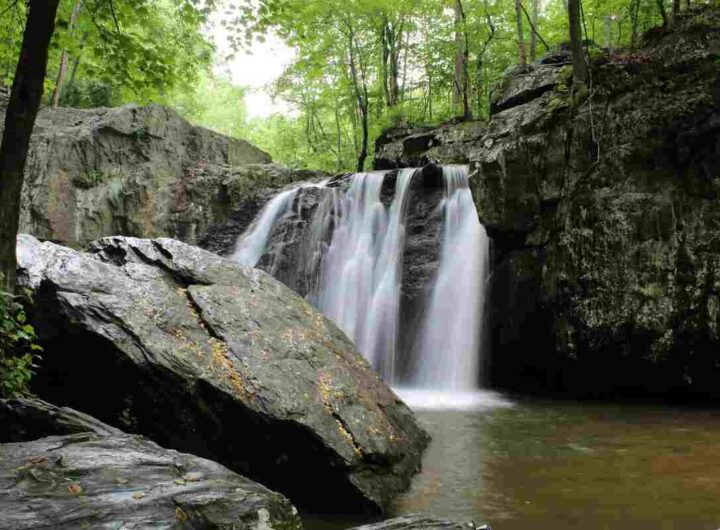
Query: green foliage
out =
(18, 349)
(212, 102)
(117, 52)
(326, 132)
(87, 94)
(87, 180)
(348, 54)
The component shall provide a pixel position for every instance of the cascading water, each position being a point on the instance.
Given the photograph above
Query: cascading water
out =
(251, 245)
(451, 334)
(351, 256)
(361, 273)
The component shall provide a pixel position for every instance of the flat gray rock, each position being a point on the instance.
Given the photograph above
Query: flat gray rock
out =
(122, 481)
(421, 522)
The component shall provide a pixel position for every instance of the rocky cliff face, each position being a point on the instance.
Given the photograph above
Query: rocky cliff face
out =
(138, 171)
(602, 203)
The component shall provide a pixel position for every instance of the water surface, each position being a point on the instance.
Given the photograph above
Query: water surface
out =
(542, 465)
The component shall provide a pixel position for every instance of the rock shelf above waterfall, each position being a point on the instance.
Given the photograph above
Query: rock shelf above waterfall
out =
(207, 357)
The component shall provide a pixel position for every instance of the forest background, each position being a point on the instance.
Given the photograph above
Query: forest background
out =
(357, 66)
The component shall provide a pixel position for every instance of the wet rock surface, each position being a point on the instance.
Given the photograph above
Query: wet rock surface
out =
(27, 419)
(122, 481)
(602, 206)
(421, 522)
(207, 357)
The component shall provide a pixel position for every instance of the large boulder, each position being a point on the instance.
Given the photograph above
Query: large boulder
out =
(602, 206)
(207, 357)
(138, 171)
(122, 481)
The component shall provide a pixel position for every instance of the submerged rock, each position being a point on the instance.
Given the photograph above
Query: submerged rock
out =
(421, 522)
(123, 481)
(204, 356)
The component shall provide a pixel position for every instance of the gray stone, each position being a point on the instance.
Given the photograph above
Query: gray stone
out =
(122, 481)
(421, 522)
(138, 171)
(27, 419)
(201, 355)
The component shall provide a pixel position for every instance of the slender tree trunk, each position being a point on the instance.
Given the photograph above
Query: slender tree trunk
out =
(395, 71)
(534, 24)
(580, 67)
(676, 7)
(461, 86)
(635, 18)
(385, 60)
(457, 82)
(663, 12)
(522, 53)
(608, 32)
(27, 90)
(362, 99)
(76, 62)
(64, 58)
(428, 68)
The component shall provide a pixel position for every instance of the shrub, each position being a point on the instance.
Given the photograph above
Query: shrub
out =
(88, 180)
(18, 350)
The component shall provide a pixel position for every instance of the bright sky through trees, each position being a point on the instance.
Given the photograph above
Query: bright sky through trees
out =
(257, 69)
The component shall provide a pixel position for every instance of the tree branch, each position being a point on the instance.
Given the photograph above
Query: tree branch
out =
(8, 8)
(534, 29)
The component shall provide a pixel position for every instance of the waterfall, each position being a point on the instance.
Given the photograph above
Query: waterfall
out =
(361, 274)
(350, 255)
(251, 245)
(451, 334)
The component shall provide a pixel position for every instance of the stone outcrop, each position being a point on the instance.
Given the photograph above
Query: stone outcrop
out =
(203, 356)
(602, 204)
(122, 481)
(450, 143)
(139, 171)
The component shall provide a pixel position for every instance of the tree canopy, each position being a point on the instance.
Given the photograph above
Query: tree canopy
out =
(359, 67)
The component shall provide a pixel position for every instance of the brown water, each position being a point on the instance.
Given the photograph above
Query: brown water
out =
(568, 466)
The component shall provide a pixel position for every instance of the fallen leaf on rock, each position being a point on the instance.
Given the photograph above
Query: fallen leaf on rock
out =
(75, 489)
(181, 515)
(139, 495)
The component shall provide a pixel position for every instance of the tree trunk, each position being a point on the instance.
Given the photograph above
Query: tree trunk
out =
(635, 18)
(676, 7)
(522, 53)
(534, 24)
(362, 99)
(76, 62)
(27, 90)
(461, 86)
(580, 67)
(663, 12)
(457, 81)
(64, 58)
(385, 60)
